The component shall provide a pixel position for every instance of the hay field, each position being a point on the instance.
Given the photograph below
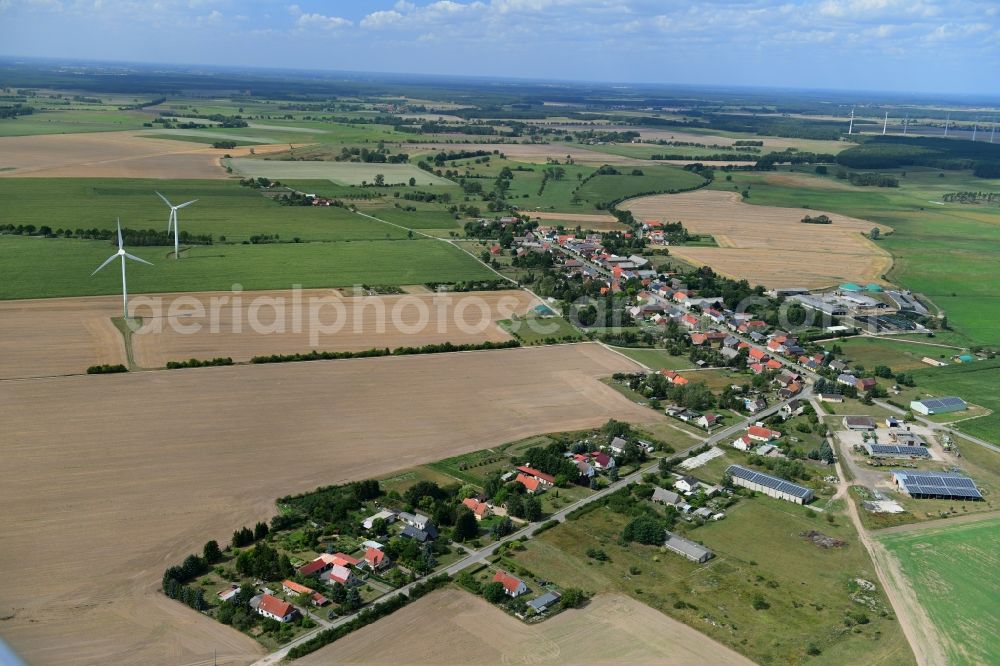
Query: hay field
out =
(769, 245)
(341, 173)
(377, 321)
(110, 479)
(58, 336)
(111, 155)
(455, 627)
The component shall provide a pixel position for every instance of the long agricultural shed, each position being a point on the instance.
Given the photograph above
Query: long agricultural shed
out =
(771, 486)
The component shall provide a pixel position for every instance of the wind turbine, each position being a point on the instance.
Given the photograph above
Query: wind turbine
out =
(975, 128)
(885, 123)
(850, 128)
(121, 253)
(172, 221)
(993, 129)
(906, 123)
(946, 123)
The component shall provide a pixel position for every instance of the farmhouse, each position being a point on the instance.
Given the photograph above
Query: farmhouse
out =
(707, 421)
(754, 405)
(686, 548)
(273, 607)
(667, 497)
(771, 486)
(341, 574)
(479, 509)
(859, 423)
(743, 443)
(326, 561)
(929, 406)
(415, 520)
(512, 585)
(759, 433)
(686, 484)
(547, 479)
(531, 484)
(936, 485)
(376, 560)
(316, 599)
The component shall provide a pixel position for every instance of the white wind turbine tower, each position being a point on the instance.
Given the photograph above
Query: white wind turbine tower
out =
(885, 123)
(993, 129)
(946, 123)
(123, 254)
(906, 123)
(850, 128)
(172, 221)
(975, 128)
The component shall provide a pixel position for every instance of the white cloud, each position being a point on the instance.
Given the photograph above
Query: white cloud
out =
(382, 19)
(311, 21)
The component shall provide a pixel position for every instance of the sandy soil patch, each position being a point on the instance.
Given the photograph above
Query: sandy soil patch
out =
(595, 221)
(58, 336)
(108, 480)
(455, 627)
(113, 155)
(409, 320)
(769, 245)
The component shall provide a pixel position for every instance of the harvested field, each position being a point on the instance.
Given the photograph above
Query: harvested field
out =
(111, 155)
(58, 336)
(411, 320)
(768, 245)
(110, 479)
(341, 173)
(595, 221)
(455, 627)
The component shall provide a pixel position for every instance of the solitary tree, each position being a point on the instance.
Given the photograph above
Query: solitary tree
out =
(873, 234)
(493, 592)
(465, 526)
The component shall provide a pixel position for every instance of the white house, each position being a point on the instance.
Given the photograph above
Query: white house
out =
(273, 607)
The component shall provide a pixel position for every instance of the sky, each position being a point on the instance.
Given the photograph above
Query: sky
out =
(947, 46)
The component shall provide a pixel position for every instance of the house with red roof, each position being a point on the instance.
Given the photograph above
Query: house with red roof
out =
(680, 381)
(756, 368)
(757, 354)
(534, 473)
(512, 585)
(743, 443)
(601, 460)
(530, 483)
(315, 598)
(759, 433)
(772, 364)
(479, 509)
(698, 339)
(689, 320)
(376, 560)
(865, 384)
(273, 607)
(341, 574)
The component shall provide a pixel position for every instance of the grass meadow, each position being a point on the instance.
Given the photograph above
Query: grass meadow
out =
(975, 382)
(898, 355)
(759, 551)
(947, 567)
(342, 173)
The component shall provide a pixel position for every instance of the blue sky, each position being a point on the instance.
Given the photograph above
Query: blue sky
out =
(948, 46)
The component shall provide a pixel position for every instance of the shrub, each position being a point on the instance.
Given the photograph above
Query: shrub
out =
(106, 369)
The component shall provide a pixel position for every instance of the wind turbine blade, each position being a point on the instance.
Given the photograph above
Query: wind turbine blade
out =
(120, 243)
(106, 262)
(185, 204)
(135, 258)
(165, 200)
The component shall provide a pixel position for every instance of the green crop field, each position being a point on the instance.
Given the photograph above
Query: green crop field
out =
(657, 359)
(344, 173)
(953, 571)
(654, 178)
(41, 267)
(944, 251)
(975, 382)
(72, 122)
(224, 208)
(759, 550)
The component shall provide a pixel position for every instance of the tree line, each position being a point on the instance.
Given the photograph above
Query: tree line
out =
(441, 348)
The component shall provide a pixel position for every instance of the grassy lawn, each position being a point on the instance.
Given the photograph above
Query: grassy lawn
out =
(759, 551)
(657, 359)
(976, 383)
(947, 567)
(404, 479)
(49, 267)
(533, 330)
(898, 355)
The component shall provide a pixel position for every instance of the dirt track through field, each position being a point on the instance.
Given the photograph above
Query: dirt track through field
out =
(769, 245)
(110, 479)
(412, 320)
(114, 155)
(455, 627)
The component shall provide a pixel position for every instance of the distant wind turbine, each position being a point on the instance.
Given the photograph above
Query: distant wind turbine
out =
(885, 123)
(993, 129)
(946, 123)
(123, 254)
(850, 128)
(975, 128)
(172, 221)
(906, 123)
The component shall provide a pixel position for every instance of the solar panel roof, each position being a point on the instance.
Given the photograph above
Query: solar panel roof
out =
(939, 483)
(895, 450)
(769, 481)
(937, 403)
